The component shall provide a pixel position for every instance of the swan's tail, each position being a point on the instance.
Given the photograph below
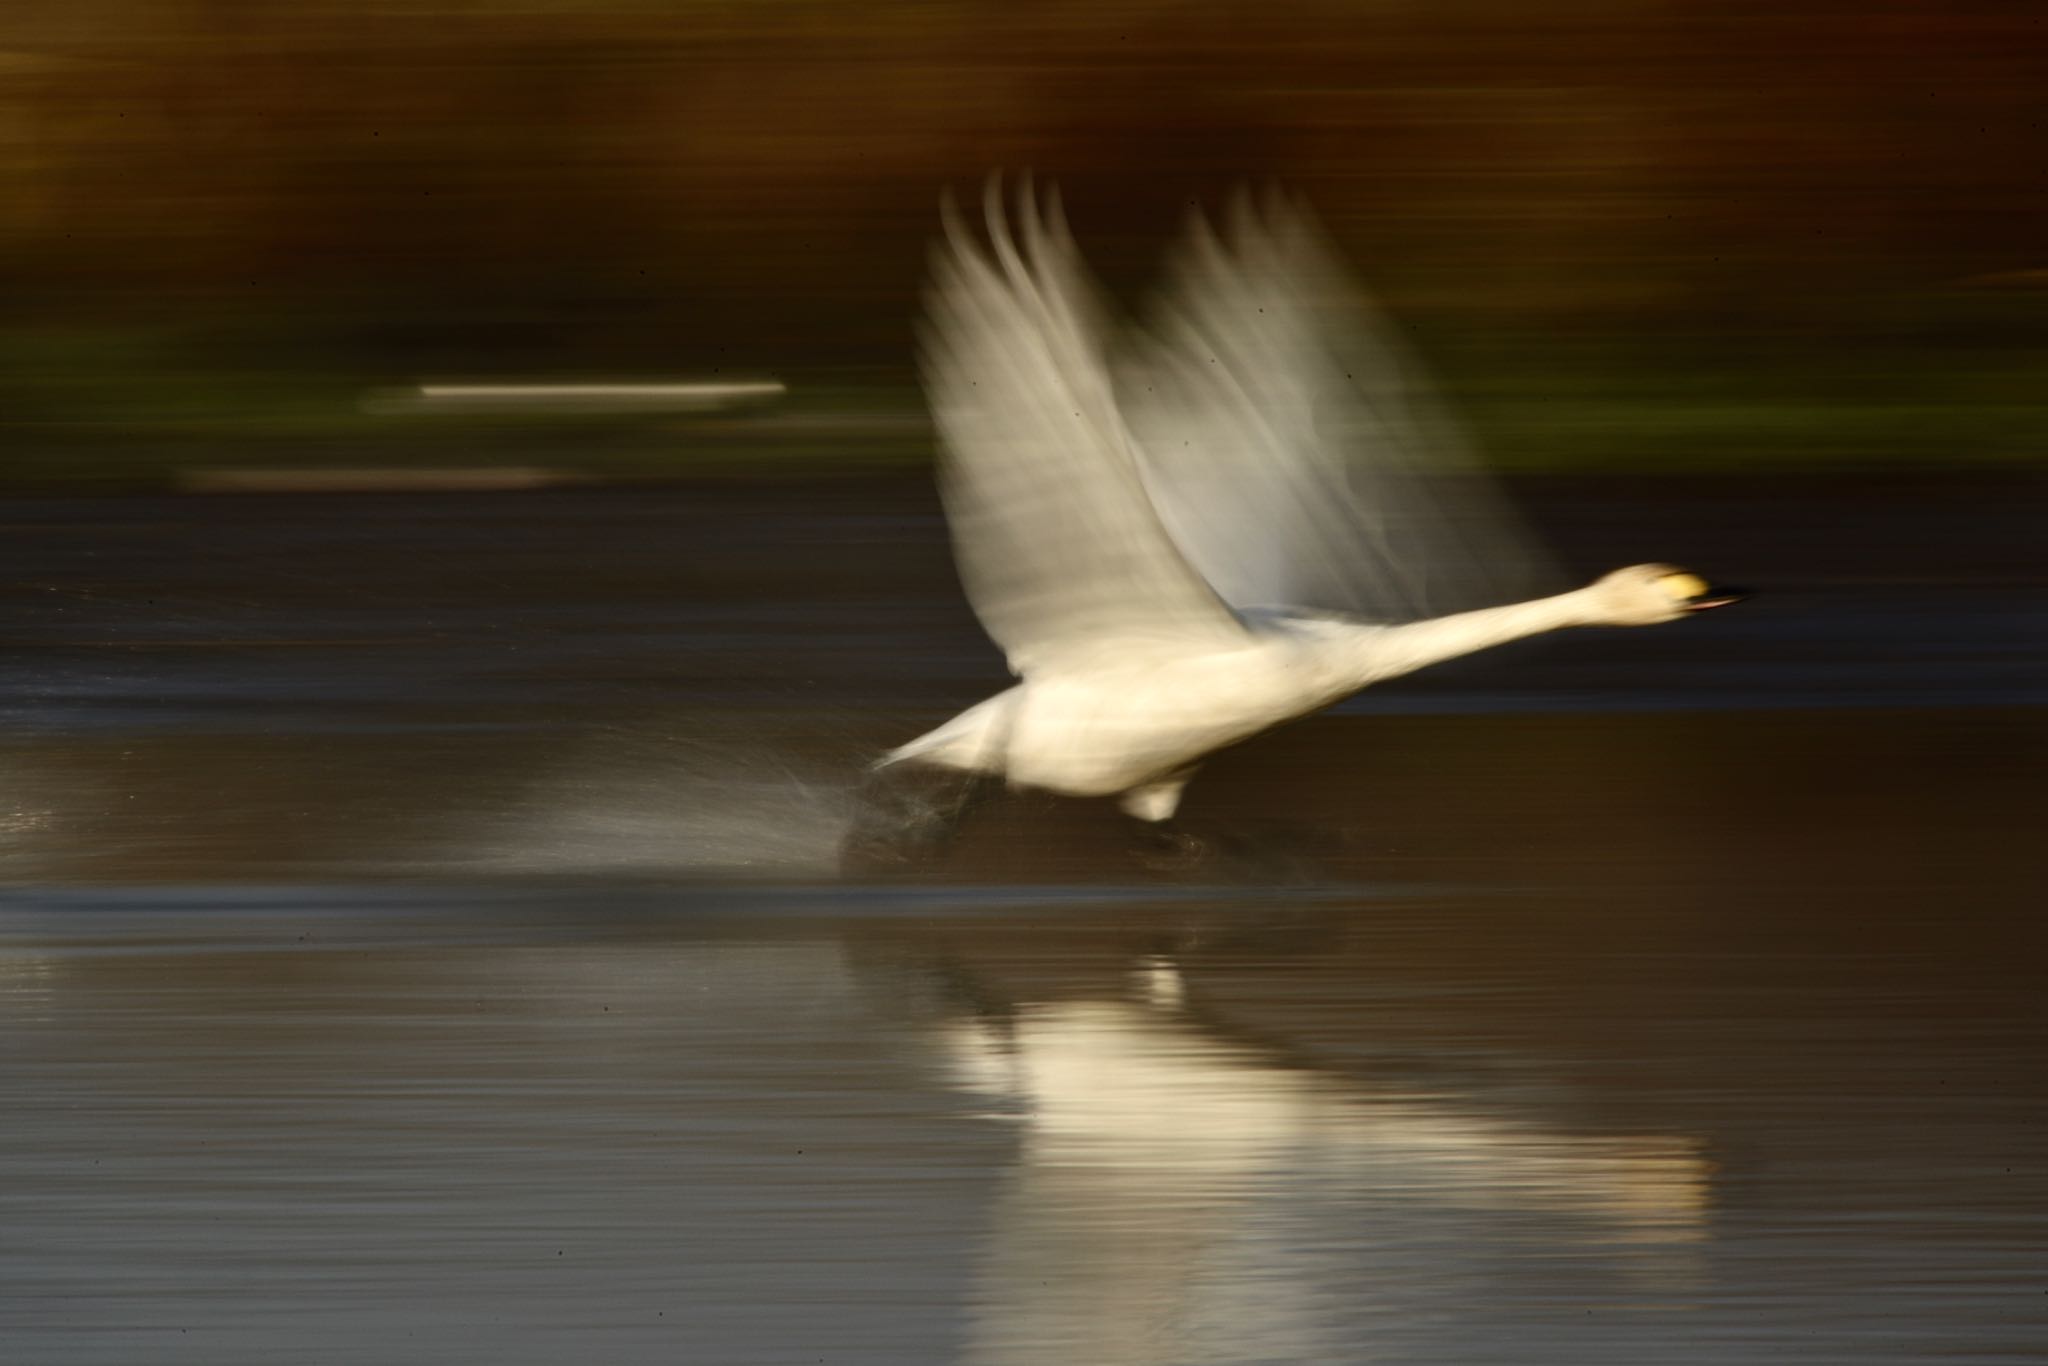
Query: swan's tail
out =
(976, 740)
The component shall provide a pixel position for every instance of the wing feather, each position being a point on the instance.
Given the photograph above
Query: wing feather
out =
(1061, 550)
(1292, 446)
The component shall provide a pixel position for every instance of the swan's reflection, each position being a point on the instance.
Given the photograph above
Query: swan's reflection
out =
(1183, 1196)
(695, 1118)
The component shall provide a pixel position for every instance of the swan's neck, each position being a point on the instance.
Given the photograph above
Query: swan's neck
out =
(1388, 651)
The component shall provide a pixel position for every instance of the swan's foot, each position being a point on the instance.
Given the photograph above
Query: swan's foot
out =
(1279, 855)
(906, 815)
(1169, 847)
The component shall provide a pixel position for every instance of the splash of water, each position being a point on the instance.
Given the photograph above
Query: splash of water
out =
(639, 804)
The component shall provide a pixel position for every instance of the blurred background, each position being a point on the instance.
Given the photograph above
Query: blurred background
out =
(421, 936)
(1629, 234)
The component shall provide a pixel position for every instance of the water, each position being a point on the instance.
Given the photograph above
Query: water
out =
(662, 1124)
(469, 983)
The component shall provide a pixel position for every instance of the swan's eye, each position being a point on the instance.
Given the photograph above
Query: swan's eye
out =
(1684, 587)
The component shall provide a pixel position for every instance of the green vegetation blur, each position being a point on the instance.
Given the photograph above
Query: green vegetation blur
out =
(1637, 234)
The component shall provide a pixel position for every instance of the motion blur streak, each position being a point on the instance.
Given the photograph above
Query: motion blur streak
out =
(1631, 234)
(467, 519)
(594, 396)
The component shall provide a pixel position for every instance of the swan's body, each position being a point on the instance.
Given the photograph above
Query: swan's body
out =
(1132, 726)
(1120, 528)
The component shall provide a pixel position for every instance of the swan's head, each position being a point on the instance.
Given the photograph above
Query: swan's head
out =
(1645, 594)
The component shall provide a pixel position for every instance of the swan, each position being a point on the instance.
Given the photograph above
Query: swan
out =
(1240, 517)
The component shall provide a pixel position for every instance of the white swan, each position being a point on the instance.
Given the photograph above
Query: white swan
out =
(1243, 520)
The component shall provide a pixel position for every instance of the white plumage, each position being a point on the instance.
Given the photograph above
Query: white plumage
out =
(1242, 514)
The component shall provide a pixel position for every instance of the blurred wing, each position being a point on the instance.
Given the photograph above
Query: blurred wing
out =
(1061, 550)
(1293, 448)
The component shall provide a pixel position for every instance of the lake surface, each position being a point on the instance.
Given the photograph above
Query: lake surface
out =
(420, 941)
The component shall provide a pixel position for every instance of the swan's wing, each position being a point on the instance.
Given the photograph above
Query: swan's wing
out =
(1059, 546)
(1292, 446)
